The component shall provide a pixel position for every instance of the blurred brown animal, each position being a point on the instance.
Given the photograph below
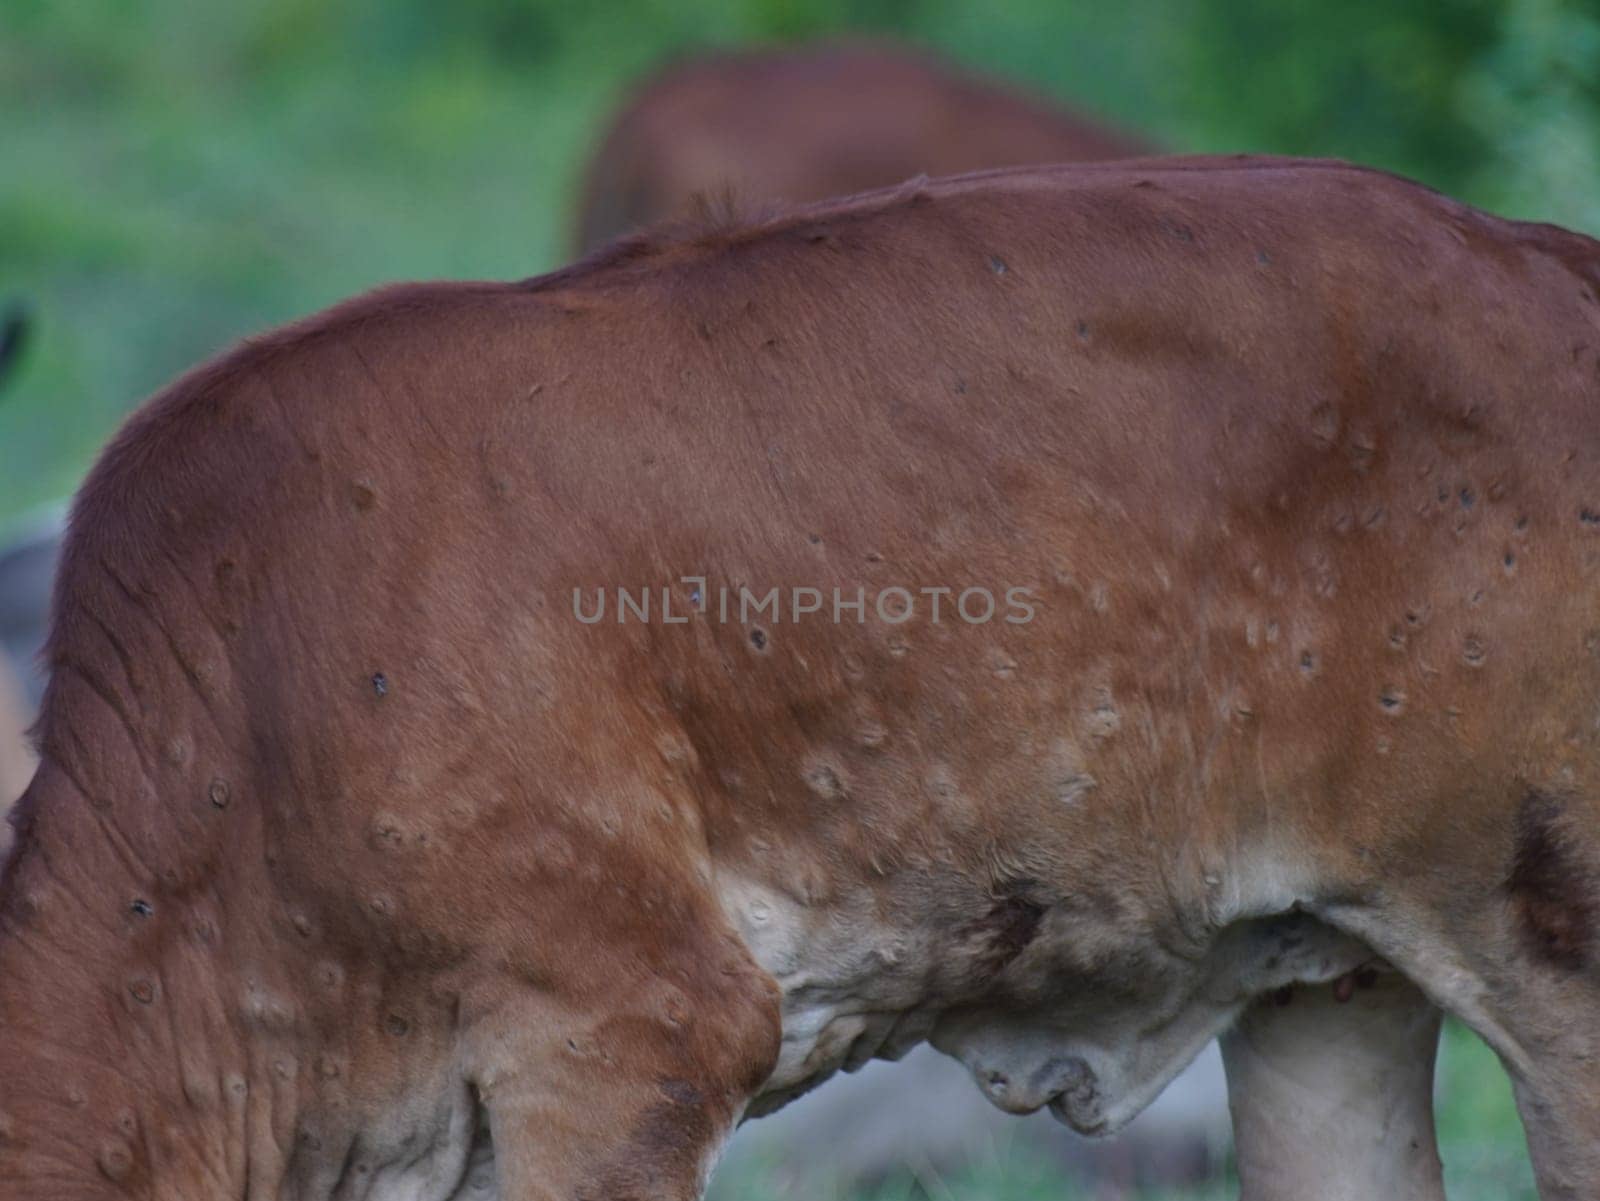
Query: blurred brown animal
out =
(363, 853)
(805, 123)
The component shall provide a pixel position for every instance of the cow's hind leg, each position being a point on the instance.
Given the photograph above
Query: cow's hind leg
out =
(1543, 1017)
(1541, 996)
(1508, 940)
(1331, 1090)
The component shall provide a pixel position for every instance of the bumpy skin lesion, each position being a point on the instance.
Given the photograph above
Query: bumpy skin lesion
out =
(350, 843)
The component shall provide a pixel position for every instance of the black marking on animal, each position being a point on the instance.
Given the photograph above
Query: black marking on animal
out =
(1547, 884)
(1006, 930)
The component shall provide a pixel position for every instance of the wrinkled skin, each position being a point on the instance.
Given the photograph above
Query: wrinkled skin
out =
(782, 126)
(357, 865)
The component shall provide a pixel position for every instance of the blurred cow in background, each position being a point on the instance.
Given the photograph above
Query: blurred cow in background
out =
(806, 123)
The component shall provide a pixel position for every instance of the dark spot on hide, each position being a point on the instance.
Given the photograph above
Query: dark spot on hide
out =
(683, 1092)
(1005, 932)
(1178, 230)
(1546, 884)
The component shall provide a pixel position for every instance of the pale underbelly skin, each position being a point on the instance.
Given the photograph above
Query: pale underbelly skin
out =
(1095, 1061)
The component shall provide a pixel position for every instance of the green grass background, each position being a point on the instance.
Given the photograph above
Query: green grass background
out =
(177, 173)
(1480, 1141)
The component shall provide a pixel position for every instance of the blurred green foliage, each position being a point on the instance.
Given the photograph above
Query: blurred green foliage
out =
(177, 173)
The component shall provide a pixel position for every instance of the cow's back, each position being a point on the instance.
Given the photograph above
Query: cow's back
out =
(1111, 386)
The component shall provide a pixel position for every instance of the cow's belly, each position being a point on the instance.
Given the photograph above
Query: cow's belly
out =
(1096, 1056)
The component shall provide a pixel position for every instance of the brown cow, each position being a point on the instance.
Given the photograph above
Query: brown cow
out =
(810, 122)
(1260, 504)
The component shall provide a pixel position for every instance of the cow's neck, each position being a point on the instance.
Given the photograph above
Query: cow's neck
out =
(196, 1038)
(134, 1078)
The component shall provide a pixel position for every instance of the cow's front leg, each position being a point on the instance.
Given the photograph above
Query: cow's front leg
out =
(621, 1078)
(1331, 1090)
